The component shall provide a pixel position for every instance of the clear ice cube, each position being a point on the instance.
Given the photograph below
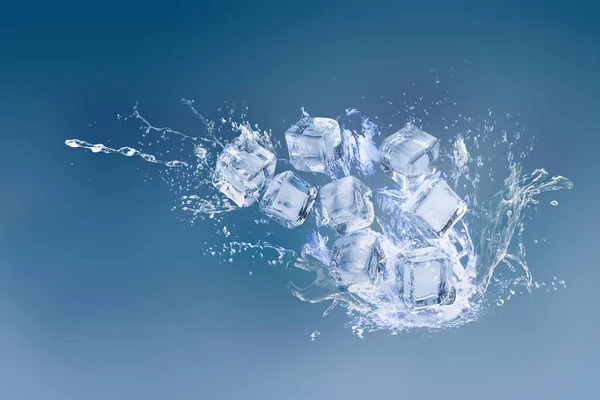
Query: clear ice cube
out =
(314, 143)
(358, 261)
(288, 199)
(242, 170)
(425, 278)
(408, 155)
(346, 205)
(435, 207)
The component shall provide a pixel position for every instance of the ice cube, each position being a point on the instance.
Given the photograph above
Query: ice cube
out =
(346, 205)
(408, 155)
(314, 143)
(435, 207)
(358, 261)
(425, 278)
(288, 199)
(243, 169)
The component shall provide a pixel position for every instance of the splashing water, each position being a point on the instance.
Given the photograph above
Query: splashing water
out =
(126, 151)
(314, 336)
(480, 153)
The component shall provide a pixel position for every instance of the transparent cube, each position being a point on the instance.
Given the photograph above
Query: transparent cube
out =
(358, 261)
(408, 155)
(288, 199)
(243, 170)
(346, 205)
(425, 278)
(314, 143)
(435, 207)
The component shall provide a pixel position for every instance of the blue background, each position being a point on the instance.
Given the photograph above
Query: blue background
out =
(105, 294)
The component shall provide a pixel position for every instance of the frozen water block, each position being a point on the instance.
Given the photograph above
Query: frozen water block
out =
(434, 207)
(425, 278)
(243, 170)
(358, 261)
(314, 144)
(408, 155)
(346, 205)
(288, 199)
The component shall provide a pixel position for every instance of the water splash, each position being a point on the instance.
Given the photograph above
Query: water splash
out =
(164, 131)
(359, 149)
(314, 336)
(480, 158)
(125, 151)
(505, 218)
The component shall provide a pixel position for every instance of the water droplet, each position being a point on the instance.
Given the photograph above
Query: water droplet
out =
(200, 152)
(127, 151)
(314, 335)
(499, 302)
(554, 203)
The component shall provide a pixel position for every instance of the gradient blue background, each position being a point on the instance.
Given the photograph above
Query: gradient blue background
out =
(104, 294)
